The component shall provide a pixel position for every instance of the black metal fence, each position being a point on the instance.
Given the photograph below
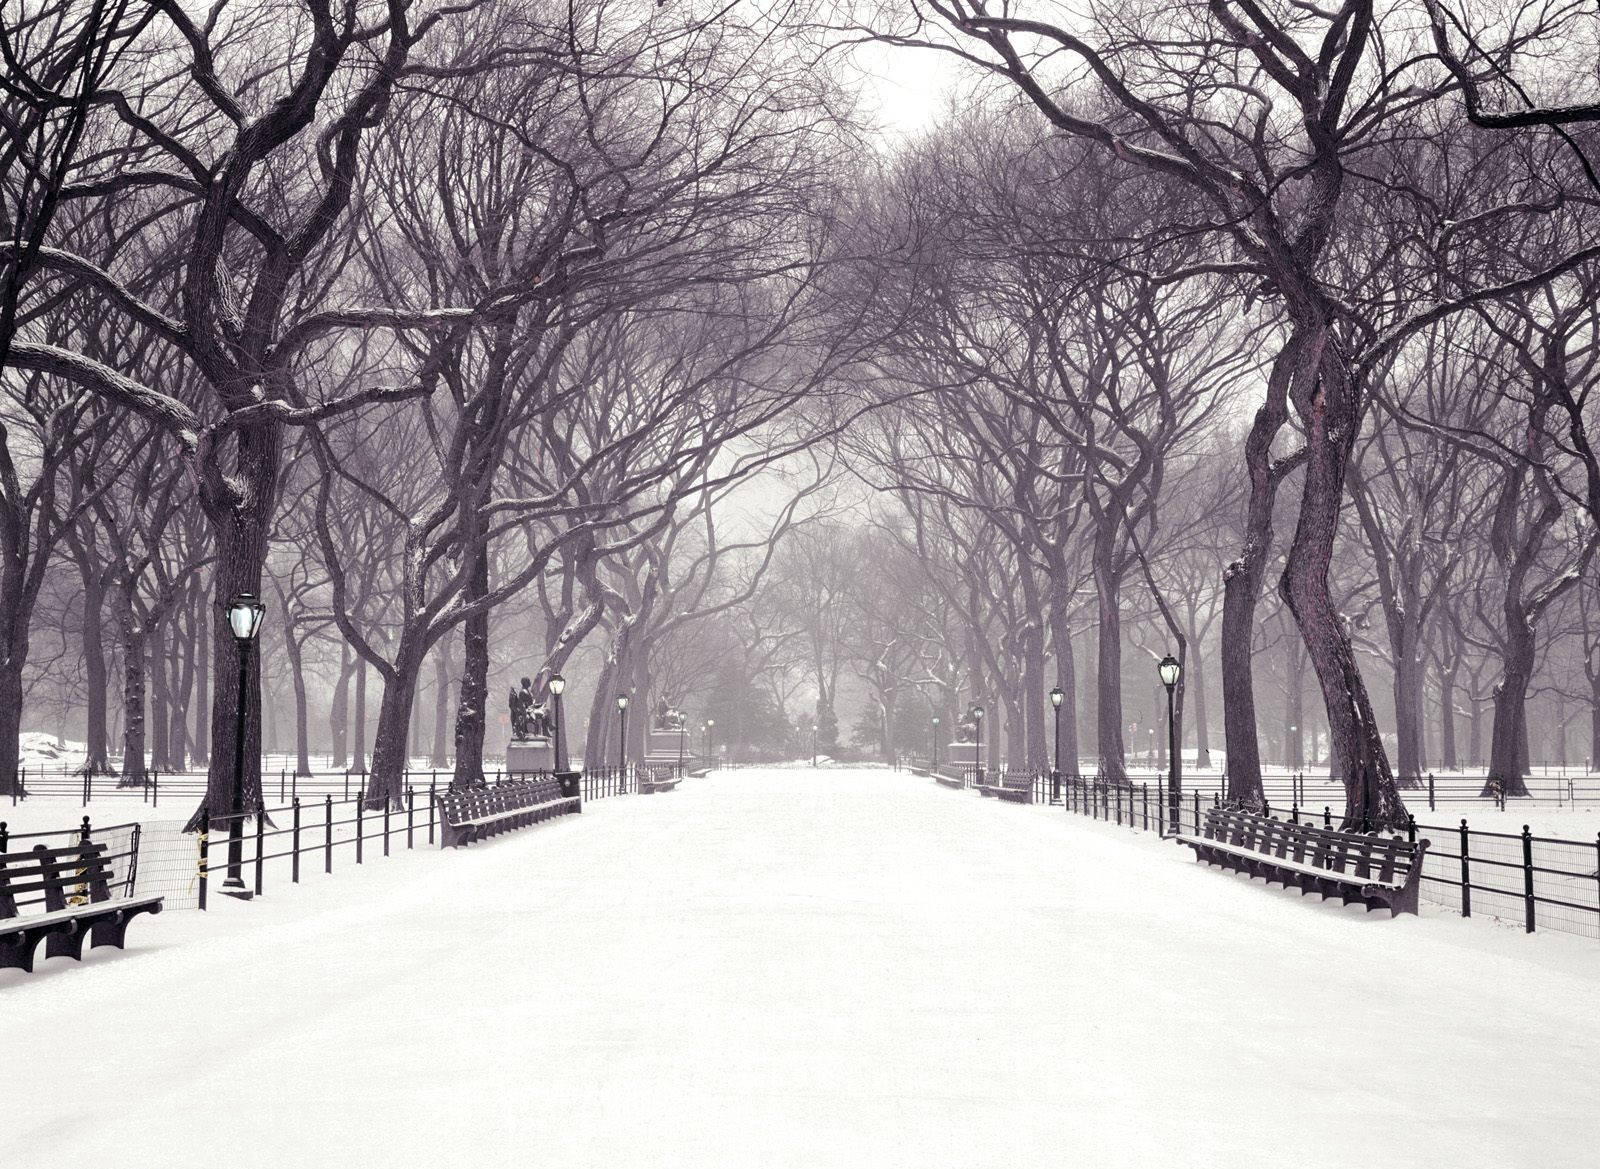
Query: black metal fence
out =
(319, 829)
(1541, 882)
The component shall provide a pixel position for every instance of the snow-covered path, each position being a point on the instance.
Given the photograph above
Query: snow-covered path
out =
(795, 968)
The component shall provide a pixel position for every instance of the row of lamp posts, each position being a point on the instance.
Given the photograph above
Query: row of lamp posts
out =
(1168, 669)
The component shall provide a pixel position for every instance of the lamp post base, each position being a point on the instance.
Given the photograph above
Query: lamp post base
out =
(234, 887)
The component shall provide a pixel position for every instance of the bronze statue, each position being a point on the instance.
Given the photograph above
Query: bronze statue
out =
(967, 726)
(522, 711)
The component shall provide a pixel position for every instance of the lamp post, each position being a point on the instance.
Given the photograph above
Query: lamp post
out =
(1170, 671)
(244, 620)
(677, 717)
(935, 743)
(622, 740)
(1057, 696)
(977, 714)
(557, 685)
(813, 744)
(710, 722)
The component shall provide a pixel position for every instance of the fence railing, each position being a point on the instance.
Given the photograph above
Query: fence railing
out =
(1541, 881)
(314, 829)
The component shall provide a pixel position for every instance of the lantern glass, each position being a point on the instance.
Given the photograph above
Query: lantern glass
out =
(1056, 697)
(622, 702)
(1170, 671)
(557, 684)
(244, 616)
(977, 713)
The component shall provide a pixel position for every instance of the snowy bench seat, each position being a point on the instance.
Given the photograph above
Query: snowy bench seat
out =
(657, 779)
(471, 814)
(1016, 786)
(73, 885)
(949, 780)
(1378, 871)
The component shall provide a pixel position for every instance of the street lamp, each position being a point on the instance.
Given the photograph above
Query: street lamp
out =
(977, 714)
(710, 722)
(935, 743)
(1170, 671)
(1057, 696)
(557, 685)
(677, 717)
(244, 620)
(813, 744)
(622, 742)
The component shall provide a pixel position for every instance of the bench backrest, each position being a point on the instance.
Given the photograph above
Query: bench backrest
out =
(54, 878)
(1358, 854)
(474, 802)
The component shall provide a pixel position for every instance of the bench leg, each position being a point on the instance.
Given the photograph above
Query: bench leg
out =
(113, 931)
(17, 950)
(66, 943)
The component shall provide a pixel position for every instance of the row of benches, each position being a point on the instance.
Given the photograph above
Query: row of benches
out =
(1015, 786)
(470, 814)
(74, 885)
(1378, 871)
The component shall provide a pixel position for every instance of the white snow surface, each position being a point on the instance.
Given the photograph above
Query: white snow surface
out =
(781, 968)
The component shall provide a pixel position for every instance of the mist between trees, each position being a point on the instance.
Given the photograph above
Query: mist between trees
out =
(490, 338)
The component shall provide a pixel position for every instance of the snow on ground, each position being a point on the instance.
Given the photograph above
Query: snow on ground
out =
(768, 969)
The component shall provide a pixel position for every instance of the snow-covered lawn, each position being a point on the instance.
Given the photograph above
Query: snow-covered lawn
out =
(822, 969)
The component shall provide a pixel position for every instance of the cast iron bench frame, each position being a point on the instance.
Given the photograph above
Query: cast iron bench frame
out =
(1014, 786)
(657, 780)
(75, 881)
(1378, 871)
(470, 814)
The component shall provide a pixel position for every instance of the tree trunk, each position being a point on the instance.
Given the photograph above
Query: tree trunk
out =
(10, 724)
(133, 682)
(1448, 758)
(339, 713)
(1036, 701)
(391, 741)
(204, 663)
(1066, 678)
(1508, 739)
(440, 755)
(1108, 666)
(472, 704)
(96, 680)
(297, 679)
(1372, 802)
(359, 756)
(156, 672)
(1407, 702)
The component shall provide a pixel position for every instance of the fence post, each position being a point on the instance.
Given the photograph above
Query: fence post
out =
(360, 826)
(1119, 806)
(1161, 813)
(411, 810)
(261, 819)
(1527, 876)
(204, 838)
(431, 799)
(4, 835)
(1144, 800)
(386, 804)
(1411, 828)
(327, 845)
(1196, 815)
(1294, 814)
(280, 785)
(1327, 816)
(155, 791)
(1466, 876)
(1430, 791)
(294, 863)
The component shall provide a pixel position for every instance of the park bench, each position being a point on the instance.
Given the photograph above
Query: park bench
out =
(949, 780)
(1016, 786)
(657, 779)
(1354, 866)
(73, 886)
(471, 814)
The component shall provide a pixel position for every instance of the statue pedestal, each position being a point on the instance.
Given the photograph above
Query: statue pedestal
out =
(667, 742)
(528, 755)
(963, 754)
